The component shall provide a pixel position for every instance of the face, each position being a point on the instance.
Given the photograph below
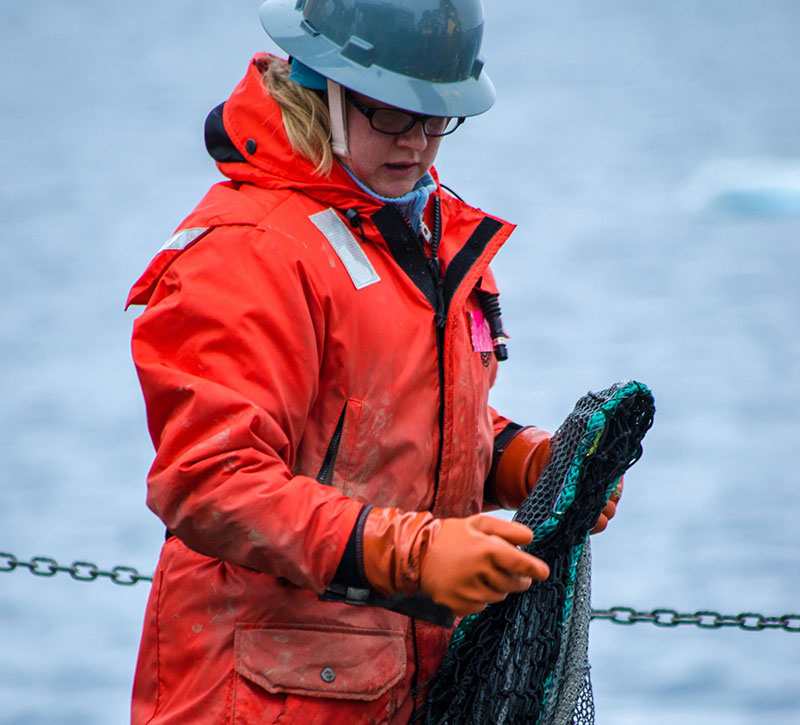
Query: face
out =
(389, 165)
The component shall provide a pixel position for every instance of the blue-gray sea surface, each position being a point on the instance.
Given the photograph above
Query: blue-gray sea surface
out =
(650, 154)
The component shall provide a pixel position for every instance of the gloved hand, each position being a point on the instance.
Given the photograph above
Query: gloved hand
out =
(520, 466)
(461, 563)
(609, 510)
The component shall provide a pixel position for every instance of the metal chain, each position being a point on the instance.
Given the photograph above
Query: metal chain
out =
(704, 619)
(86, 571)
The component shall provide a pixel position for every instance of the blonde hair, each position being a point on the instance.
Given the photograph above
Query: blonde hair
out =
(305, 115)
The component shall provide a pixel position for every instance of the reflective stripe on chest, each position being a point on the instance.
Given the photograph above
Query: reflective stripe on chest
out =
(345, 245)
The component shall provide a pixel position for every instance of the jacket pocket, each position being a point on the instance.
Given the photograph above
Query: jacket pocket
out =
(339, 451)
(320, 661)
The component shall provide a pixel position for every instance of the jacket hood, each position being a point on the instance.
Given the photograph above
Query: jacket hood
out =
(247, 139)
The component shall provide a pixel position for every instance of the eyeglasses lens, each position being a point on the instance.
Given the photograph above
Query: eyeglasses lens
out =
(397, 122)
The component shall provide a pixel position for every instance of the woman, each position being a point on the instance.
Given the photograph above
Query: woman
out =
(315, 356)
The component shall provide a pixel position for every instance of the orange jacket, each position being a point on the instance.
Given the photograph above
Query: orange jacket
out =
(293, 371)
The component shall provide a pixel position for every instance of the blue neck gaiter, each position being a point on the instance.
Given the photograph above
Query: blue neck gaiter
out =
(410, 205)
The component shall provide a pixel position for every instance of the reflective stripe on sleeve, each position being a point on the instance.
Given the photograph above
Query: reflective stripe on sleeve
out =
(183, 238)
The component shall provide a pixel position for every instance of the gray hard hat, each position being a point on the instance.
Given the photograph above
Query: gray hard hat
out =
(420, 55)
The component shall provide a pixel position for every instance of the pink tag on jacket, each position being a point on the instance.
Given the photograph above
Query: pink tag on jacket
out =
(479, 328)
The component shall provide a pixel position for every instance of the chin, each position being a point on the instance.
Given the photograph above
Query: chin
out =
(394, 190)
(397, 192)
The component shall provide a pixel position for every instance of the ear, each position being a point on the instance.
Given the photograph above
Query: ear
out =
(338, 112)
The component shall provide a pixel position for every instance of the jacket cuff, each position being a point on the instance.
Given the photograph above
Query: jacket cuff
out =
(501, 441)
(519, 465)
(350, 572)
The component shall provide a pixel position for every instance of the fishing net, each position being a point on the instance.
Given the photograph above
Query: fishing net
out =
(524, 660)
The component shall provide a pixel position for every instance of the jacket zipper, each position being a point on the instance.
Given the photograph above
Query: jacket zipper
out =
(325, 475)
(440, 322)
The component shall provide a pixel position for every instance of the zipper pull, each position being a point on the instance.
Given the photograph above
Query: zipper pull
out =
(426, 233)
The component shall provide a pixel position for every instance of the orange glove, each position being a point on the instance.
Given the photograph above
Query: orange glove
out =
(520, 466)
(461, 563)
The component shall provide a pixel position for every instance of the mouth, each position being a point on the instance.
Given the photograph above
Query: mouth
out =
(401, 168)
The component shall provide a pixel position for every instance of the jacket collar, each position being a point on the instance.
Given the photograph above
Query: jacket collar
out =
(247, 139)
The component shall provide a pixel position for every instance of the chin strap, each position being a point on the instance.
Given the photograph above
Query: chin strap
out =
(338, 112)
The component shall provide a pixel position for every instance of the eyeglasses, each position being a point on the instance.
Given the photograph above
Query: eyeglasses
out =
(396, 123)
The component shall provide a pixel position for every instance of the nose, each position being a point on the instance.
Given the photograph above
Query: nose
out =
(414, 138)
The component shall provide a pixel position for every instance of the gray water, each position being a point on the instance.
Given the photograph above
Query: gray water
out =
(649, 153)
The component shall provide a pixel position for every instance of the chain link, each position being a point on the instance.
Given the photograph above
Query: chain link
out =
(86, 571)
(705, 619)
(83, 571)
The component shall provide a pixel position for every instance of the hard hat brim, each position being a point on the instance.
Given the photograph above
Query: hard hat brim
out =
(283, 21)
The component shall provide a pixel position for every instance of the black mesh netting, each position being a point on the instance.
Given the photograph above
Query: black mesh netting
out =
(524, 660)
